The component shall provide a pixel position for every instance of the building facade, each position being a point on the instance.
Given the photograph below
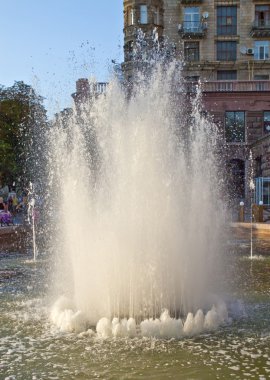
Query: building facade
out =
(219, 39)
(226, 45)
(85, 89)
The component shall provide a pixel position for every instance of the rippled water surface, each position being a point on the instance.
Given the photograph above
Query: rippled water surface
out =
(31, 348)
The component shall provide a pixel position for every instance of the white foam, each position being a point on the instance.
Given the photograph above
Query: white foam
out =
(67, 319)
(198, 322)
(211, 321)
(164, 327)
(116, 328)
(167, 327)
(104, 328)
(87, 333)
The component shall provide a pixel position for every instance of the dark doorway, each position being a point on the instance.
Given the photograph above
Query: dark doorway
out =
(236, 169)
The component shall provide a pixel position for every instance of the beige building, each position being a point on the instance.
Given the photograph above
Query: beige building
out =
(219, 40)
(225, 44)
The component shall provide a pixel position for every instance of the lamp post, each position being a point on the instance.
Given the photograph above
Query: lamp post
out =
(260, 212)
(241, 212)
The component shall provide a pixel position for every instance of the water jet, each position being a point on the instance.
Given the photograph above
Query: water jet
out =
(137, 173)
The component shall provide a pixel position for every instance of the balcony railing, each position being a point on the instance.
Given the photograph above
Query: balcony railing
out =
(191, 1)
(192, 29)
(260, 28)
(98, 87)
(231, 86)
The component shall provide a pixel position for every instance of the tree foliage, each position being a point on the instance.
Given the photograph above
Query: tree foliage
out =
(23, 123)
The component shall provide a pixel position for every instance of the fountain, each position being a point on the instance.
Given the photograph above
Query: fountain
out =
(136, 220)
(137, 185)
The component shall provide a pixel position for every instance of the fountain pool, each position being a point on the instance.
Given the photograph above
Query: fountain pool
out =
(32, 348)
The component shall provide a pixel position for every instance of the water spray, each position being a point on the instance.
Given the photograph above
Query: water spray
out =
(252, 188)
(32, 217)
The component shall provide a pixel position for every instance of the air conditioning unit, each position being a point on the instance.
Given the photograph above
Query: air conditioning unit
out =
(250, 51)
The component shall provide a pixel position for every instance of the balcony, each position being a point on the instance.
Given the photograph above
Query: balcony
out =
(86, 90)
(98, 88)
(191, 30)
(260, 28)
(236, 86)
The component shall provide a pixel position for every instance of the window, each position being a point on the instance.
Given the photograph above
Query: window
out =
(266, 121)
(226, 50)
(192, 82)
(261, 50)
(226, 75)
(235, 126)
(130, 16)
(143, 14)
(236, 171)
(192, 78)
(129, 50)
(262, 15)
(258, 166)
(156, 16)
(227, 20)
(192, 51)
(261, 77)
(266, 191)
(192, 19)
(263, 190)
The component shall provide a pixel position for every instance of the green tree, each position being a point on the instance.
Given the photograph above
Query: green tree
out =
(23, 125)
